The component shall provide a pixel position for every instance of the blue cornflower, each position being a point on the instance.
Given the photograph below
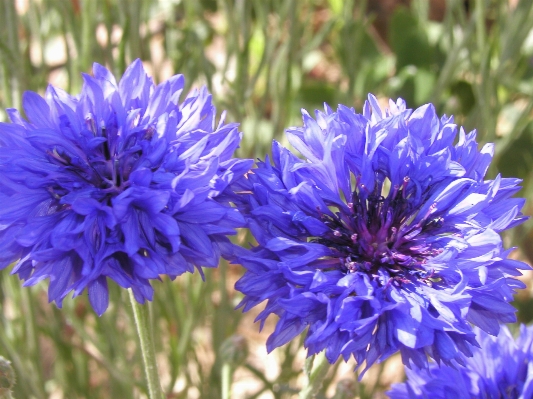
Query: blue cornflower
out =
(384, 238)
(121, 182)
(501, 369)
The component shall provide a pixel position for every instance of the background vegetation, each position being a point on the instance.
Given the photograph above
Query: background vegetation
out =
(263, 60)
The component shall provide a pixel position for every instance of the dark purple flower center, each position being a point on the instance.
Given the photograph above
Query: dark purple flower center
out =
(103, 162)
(379, 232)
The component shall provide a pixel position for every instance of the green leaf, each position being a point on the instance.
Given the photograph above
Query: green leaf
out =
(313, 94)
(517, 160)
(408, 40)
(464, 93)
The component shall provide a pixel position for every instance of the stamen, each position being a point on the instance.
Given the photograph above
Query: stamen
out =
(117, 174)
(107, 154)
(63, 158)
(89, 120)
(406, 180)
(382, 236)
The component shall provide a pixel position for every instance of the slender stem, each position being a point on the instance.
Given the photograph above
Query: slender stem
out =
(32, 339)
(227, 375)
(144, 329)
(12, 27)
(315, 375)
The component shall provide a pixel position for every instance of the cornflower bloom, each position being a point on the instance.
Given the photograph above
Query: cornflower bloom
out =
(501, 369)
(384, 238)
(122, 182)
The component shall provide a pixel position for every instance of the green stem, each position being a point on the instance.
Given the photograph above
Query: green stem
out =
(31, 331)
(12, 27)
(315, 375)
(227, 375)
(144, 329)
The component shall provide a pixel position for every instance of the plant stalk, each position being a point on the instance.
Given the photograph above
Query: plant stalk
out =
(146, 338)
(227, 375)
(315, 375)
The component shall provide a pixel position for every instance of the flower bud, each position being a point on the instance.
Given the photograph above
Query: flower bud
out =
(234, 350)
(346, 389)
(7, 376)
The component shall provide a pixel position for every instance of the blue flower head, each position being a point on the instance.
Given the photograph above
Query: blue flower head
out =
(501, 369)
(383, 238)
(121, 182)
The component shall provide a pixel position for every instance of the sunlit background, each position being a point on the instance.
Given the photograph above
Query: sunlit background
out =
(263, 60)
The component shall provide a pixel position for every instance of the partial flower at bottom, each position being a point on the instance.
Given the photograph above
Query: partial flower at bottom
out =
(383, 237)
(123, 182)
(501, 369)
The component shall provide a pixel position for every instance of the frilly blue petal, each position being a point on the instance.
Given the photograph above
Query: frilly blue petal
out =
(109, 184)
(382, 238)
(501, 368)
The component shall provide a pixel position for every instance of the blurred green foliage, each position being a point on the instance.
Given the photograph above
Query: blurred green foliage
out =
(263, 60)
